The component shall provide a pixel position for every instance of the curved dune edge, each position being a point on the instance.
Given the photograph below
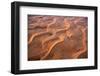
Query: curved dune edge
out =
(49, 50)
(83, 49)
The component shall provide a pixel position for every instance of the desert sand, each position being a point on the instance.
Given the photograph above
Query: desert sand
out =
(57, 37)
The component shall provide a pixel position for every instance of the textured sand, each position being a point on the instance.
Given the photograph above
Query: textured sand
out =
(57, 37)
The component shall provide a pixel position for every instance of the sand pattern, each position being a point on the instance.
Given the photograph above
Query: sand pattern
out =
(57, 37)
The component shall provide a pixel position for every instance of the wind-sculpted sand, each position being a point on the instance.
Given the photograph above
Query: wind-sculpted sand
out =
(57, 37)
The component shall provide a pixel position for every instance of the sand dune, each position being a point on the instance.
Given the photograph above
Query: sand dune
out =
(57, 37)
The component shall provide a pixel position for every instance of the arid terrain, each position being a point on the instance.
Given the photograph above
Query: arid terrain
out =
(57, 37)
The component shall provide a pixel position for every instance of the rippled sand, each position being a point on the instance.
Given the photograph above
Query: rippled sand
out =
(57, 37)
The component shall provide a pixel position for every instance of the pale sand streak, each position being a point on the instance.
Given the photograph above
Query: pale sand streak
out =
(34, 35)
(58, 41)
(83, 49)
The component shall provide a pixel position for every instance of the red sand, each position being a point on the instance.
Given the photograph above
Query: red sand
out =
(57, 37)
